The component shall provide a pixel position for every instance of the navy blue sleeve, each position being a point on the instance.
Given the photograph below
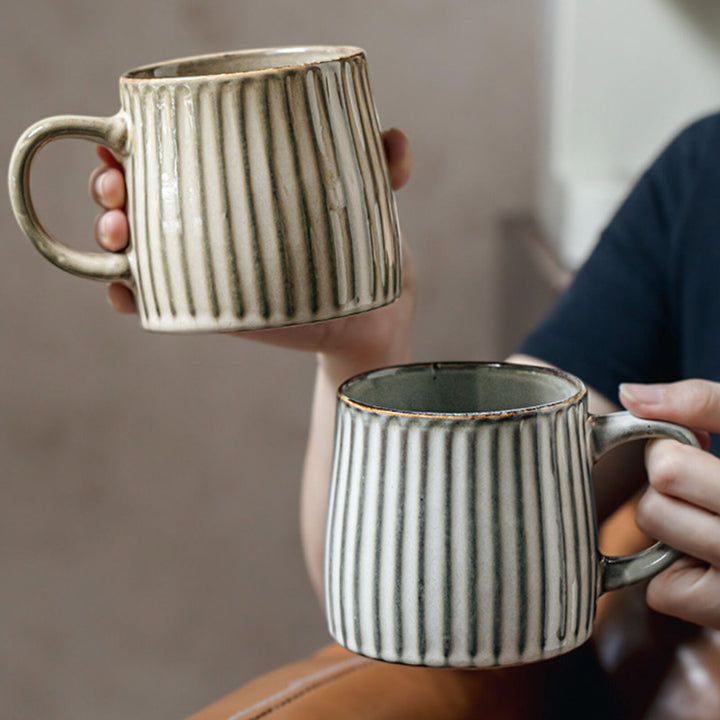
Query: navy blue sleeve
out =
(619, 321)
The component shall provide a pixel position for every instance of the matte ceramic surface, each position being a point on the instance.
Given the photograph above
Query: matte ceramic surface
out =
(461, 527)
(258, 194)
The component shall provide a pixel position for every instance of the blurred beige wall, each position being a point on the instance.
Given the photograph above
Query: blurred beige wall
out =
(149, 544)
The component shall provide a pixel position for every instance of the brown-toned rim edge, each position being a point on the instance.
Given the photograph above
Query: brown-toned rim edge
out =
(344, 52)
(491, 414)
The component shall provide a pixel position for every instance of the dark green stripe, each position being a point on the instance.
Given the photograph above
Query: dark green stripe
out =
(234, 281)
(366, 123)
(422, 519)
(179, 198)
(448, 589)
(132, 202)
(332, 149)
(541, 540)
(399, 545)
(588, 514)
(258, 264)
(150, 269)
(589, 509)
(570, 479)
(496, 529)
(337, 473)
(311, 278)
(202, 189)
(332, 265)
(356, 155)
(375, 145)
(162, 240)
(286, 269)
(344, 531)
(522, 598)
(473, 608)
(360, 514)
(560, 520)
(384, 430)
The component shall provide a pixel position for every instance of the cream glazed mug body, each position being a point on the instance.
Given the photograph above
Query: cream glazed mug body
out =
(461, 524)
(258, 194)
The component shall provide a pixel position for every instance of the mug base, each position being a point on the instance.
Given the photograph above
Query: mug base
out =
(477, 662)
(208, 324)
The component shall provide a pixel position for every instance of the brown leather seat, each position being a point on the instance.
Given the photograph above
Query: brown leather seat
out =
(334, 683)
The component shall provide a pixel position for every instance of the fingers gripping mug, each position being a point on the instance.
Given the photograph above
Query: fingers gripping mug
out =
(461, 524)
(258, 194)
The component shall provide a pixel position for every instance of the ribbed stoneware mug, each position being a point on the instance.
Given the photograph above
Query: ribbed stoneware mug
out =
(258, 194)
(461, 526)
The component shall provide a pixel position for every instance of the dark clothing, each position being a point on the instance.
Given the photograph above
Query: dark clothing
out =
(645, 307)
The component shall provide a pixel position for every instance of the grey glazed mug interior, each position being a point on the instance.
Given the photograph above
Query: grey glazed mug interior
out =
(461, 524)
(258, 194)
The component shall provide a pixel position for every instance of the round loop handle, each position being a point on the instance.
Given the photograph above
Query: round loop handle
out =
(111, 132)
(607, 432)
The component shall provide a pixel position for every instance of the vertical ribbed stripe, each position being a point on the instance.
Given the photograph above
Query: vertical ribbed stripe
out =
(561, 630)
(472, 499)
(522, 565)
(399, 545)
(235, 283)
(343, 538)
(541, 541)
(286, 265)
(421, 549)
(497, 540)
(134, 209)
(334, 178)
(161, 102)
(379, 211)
(386, 211)
(332, 555)
(144, 171)
(377, 627)
(311, 277)
(591, 521)
(587, 526)
(180, 182)
(197, 98)
(360, 161)
(322, 188)
(578, 518)
(449, 590)
(261, 289)
(363, 477)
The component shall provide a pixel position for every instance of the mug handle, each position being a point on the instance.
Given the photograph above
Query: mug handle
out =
(607, 432)
(112, 132)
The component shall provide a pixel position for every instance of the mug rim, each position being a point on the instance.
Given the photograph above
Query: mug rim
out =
(578, 395)
(336, 53)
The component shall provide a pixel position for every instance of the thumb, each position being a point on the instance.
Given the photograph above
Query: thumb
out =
(692, 403)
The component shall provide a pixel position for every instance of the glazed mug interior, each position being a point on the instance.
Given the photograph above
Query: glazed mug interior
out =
(241, 62)
(462, 388)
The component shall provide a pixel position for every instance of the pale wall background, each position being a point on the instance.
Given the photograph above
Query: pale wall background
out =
(149, 544)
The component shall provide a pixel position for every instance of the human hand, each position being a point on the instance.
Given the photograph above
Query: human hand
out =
(681, 506)
(367, 339)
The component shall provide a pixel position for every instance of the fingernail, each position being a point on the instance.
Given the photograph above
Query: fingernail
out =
(102, 229)
(100, 184)
(644, 394)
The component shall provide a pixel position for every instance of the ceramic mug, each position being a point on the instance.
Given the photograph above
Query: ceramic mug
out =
(258, 194)
(461, 524)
